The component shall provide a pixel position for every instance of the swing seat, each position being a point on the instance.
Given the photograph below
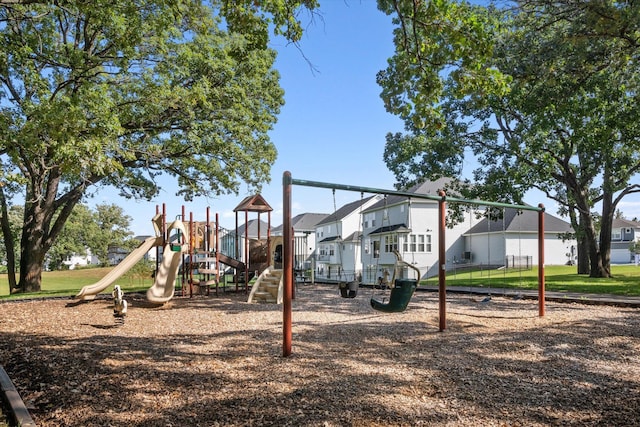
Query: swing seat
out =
(348, 290)
(399, 298)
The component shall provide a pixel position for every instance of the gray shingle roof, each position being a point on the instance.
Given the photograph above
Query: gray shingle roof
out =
(344, 211)
(398, 228)
(329, 239)
(527, 221)
(304, 222)
(428, 187)
(253, 229)
(621, 222)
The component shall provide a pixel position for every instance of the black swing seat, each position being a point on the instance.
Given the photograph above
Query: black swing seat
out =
(348, 290)
(399, 298)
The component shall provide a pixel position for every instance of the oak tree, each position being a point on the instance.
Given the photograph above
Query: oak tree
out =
(101, 93)
(540, 94)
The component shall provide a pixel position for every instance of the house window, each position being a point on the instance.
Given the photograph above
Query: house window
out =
(390, 243)
(376, 248)
(417, 243)
(616, 234)
(331, 251)
(424, 242)
(369, 220)
(409, 244)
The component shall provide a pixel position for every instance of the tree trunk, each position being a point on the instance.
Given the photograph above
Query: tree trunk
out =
(583, 255)
(591, 242)
(31, 272)
(608, 213)
(583, 205)
(582, 249)
(9, 242)
(32, 255)
(44, 218)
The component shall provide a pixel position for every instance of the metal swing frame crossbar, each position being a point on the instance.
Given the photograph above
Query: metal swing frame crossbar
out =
(288, 181)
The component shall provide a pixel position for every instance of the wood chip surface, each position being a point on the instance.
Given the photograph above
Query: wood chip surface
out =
(214, 361)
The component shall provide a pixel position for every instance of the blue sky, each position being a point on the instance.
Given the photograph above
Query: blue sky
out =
(332, 127)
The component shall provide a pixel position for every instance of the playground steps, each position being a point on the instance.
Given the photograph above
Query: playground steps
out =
(267, 288)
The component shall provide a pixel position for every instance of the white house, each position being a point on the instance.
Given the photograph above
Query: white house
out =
(409, 226)
(624, 233)
(304, 238)
(512, 240)
(338, 254)
(359, 239)
(77, 260)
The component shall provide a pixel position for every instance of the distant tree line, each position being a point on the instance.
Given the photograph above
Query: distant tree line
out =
(87, 229)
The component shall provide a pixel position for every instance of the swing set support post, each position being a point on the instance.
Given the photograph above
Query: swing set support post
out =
(287, 255)
(541, 284)
(442, 261)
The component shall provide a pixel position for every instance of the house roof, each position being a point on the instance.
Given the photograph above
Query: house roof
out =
(353, 237)
(527, 221)
(253, 229)
(624, 223)
(255, 203)
(330, 239)
(304, 222)
(427, 187)
(344, 211)
(396, 228)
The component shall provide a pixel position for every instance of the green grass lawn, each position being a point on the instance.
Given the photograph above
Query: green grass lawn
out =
(67, 283)
(625, 281)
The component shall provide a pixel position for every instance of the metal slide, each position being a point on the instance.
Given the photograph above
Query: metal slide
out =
(89, 292)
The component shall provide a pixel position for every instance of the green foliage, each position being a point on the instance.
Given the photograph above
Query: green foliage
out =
(441, 46)
(141, 272)
(93, 230)
(117, 93)
(548, 100)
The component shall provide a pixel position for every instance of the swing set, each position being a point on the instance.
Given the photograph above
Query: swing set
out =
(401, 289)
(288, 181)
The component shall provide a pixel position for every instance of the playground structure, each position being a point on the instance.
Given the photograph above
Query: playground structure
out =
(246, 252)
(441, 198)
(206, 252)
(90, 292)
(163, 287)
(270, 284)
